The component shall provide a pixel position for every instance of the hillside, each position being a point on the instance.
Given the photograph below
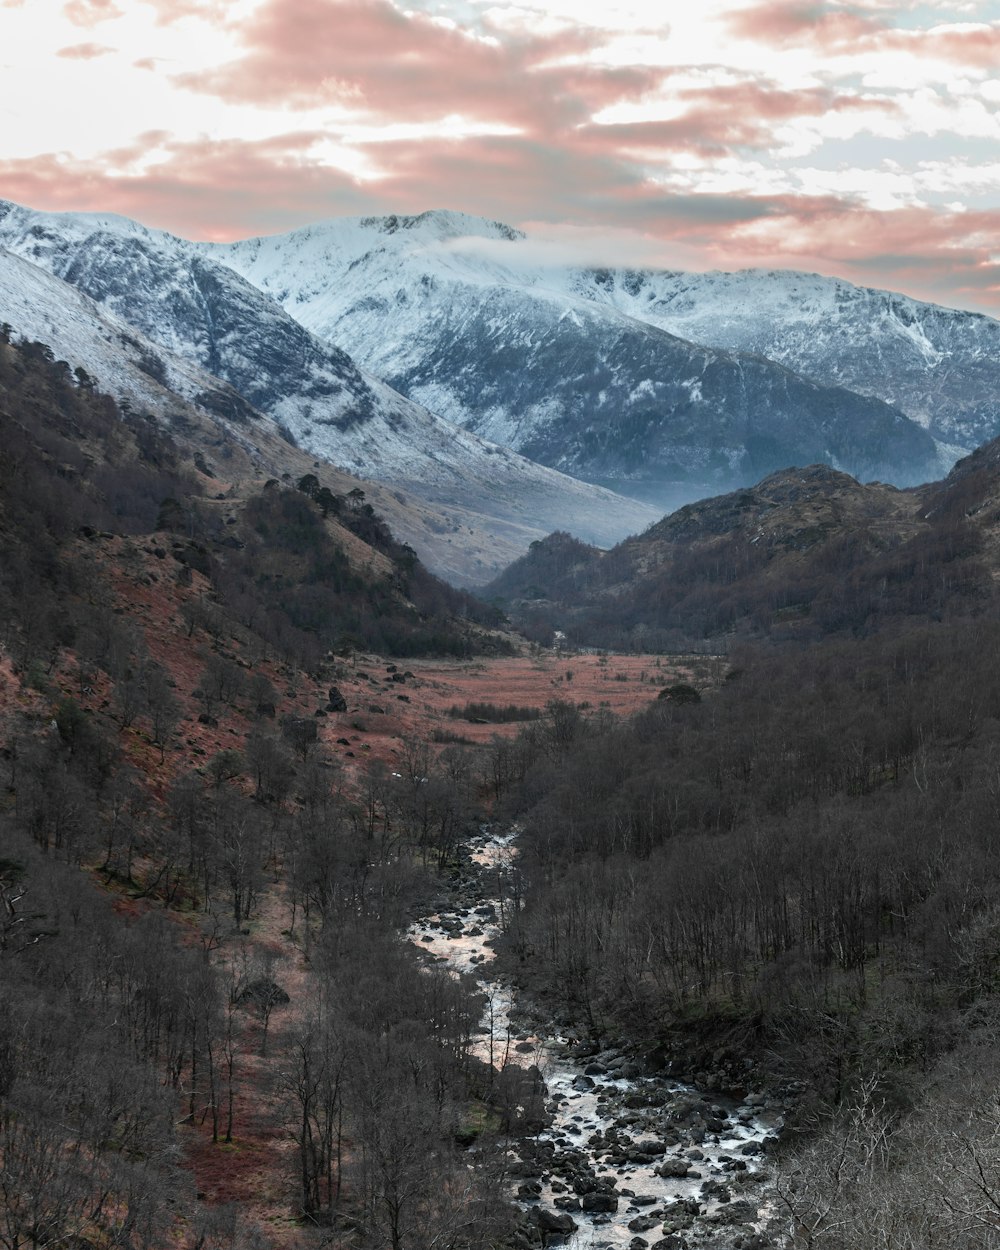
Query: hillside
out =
(804, 554)
(938, 365)
(342, 278)
(171, 791)
(769, 873)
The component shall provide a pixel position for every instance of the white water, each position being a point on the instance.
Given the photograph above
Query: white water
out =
(713, 1152)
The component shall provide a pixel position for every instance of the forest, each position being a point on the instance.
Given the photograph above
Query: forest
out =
(800, 869)
(805, 555)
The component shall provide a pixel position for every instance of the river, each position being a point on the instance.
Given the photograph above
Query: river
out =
(631, 1158)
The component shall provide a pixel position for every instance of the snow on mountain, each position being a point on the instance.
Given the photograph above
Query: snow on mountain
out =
(465, 316)
(941, 366)
(39, 306)
(198, 311)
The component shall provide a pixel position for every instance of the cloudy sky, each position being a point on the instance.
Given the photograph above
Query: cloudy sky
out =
(859, 138)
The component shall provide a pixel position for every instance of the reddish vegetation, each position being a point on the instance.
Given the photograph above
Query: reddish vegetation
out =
(257, 1170)
(620, 683)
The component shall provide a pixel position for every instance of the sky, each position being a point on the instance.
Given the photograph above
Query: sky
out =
(857, 138)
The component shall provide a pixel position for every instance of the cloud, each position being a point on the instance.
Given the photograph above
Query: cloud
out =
(699, 153)
(90, 12)
(931, 253)
(827, 24)
(84, 51)
(839, 28)
(372, 56)
(720, 119)
(202, 189)
(169, 11)
(222, 190)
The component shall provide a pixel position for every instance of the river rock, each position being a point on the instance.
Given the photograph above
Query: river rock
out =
(673, 1169)
(554, 1224)
(598, 1201)
(740, 1212)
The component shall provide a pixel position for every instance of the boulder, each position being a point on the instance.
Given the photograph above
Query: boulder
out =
(598, 1201)
(554, 1224)
(673, 1168)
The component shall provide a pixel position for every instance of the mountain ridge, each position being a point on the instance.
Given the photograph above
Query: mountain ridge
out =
(537, 356)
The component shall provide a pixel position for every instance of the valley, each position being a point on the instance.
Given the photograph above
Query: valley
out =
(340, 907)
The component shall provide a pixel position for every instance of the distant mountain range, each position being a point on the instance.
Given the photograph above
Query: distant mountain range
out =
(640, 377)
(444, 357)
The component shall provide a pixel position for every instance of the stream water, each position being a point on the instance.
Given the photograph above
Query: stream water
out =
(630, 1159)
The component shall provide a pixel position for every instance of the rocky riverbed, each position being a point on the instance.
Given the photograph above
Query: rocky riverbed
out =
(630, 1158)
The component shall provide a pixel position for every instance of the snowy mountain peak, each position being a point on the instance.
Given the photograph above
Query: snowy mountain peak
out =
(441, 224)
(44, 226)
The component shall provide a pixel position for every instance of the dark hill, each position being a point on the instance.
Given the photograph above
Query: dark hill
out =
(804, 554)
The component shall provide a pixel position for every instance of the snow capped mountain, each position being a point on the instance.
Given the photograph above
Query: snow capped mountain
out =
(198, 310)
(465, 316)
(941, 366)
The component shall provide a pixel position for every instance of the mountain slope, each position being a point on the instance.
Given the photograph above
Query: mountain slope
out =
(455, 312)
(941, 366)
(804, 554)
(199, 311)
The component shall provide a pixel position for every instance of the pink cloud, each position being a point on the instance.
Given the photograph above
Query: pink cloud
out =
(168, 11)
(207, 190)
(978, 48)
(367, 52)
(84, 51)
(216, 190)
(799, 21)
(931, 253)
(726, 117)
(854, 28)
(90, 12)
